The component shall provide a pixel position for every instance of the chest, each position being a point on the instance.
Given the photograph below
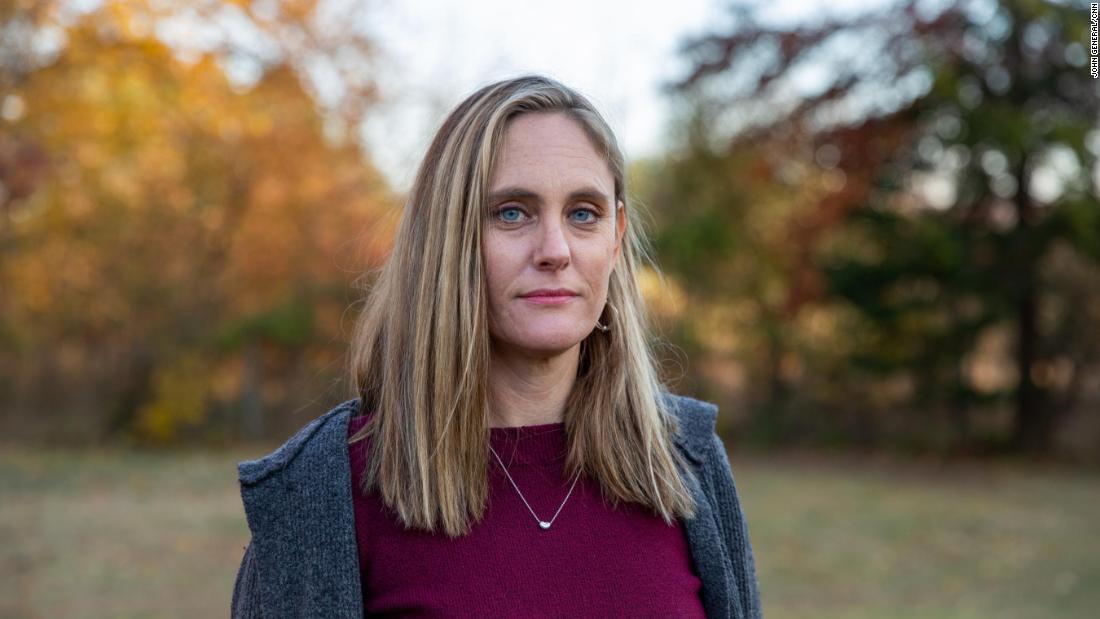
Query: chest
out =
(594, 560)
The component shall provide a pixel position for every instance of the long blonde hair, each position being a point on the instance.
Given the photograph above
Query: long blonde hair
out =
(419, 355)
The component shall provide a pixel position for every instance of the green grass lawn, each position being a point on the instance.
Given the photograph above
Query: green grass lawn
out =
(119, 534)
(871, 537)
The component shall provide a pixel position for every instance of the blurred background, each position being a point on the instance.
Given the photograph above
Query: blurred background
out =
(878, 224)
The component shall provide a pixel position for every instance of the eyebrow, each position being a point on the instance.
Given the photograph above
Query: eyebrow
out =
(521, 193)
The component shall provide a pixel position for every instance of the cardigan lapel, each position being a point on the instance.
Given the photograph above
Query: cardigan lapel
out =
(707, 555)
(696, 420)
(299, 507)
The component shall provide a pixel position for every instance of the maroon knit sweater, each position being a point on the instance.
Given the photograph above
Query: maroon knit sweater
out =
(594, 561)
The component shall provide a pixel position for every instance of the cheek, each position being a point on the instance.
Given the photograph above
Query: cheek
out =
(595, 263)
(498, 267)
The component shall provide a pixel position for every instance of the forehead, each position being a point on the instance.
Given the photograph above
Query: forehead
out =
(550, 149)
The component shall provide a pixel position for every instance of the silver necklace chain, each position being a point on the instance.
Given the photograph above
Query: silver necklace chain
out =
(544, 524)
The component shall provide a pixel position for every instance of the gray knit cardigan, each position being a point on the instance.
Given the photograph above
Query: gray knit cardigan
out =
(302, 558)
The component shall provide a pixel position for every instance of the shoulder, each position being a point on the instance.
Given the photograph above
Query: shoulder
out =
(325, 436)
(697, 420)
(316, 438)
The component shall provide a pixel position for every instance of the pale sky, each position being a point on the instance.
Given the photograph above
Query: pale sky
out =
(615, 52)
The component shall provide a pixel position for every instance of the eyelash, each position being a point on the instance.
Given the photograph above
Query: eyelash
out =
(496, 214)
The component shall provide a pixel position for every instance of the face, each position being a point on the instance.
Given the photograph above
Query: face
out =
(552, 223)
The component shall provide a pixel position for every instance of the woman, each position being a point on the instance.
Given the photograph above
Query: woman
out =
(510, 450)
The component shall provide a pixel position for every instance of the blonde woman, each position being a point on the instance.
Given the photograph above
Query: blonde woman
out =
(510, 450)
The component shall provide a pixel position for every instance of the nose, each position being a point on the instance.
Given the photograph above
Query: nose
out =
(553, 247)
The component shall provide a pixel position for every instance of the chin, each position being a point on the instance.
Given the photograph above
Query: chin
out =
(547, 342)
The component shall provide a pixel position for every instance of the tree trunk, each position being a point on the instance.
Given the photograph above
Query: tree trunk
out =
(1033, 428)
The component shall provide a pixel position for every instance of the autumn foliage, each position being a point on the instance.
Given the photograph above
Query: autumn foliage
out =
(176, 249)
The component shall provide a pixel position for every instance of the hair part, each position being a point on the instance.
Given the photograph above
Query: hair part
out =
(420, 349)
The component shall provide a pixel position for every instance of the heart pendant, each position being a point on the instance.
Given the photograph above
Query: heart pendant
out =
(544, 524)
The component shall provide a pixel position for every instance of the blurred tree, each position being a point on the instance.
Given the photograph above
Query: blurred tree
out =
(957, 146)
(185, 234)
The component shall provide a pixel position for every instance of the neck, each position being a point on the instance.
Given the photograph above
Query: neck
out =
(529, 389)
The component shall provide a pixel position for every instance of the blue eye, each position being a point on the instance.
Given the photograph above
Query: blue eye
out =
(592, 215)
(505, 210)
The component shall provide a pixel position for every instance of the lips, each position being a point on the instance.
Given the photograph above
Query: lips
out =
(549, 293)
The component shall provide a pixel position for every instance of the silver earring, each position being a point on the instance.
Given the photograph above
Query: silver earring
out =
(605, 328)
